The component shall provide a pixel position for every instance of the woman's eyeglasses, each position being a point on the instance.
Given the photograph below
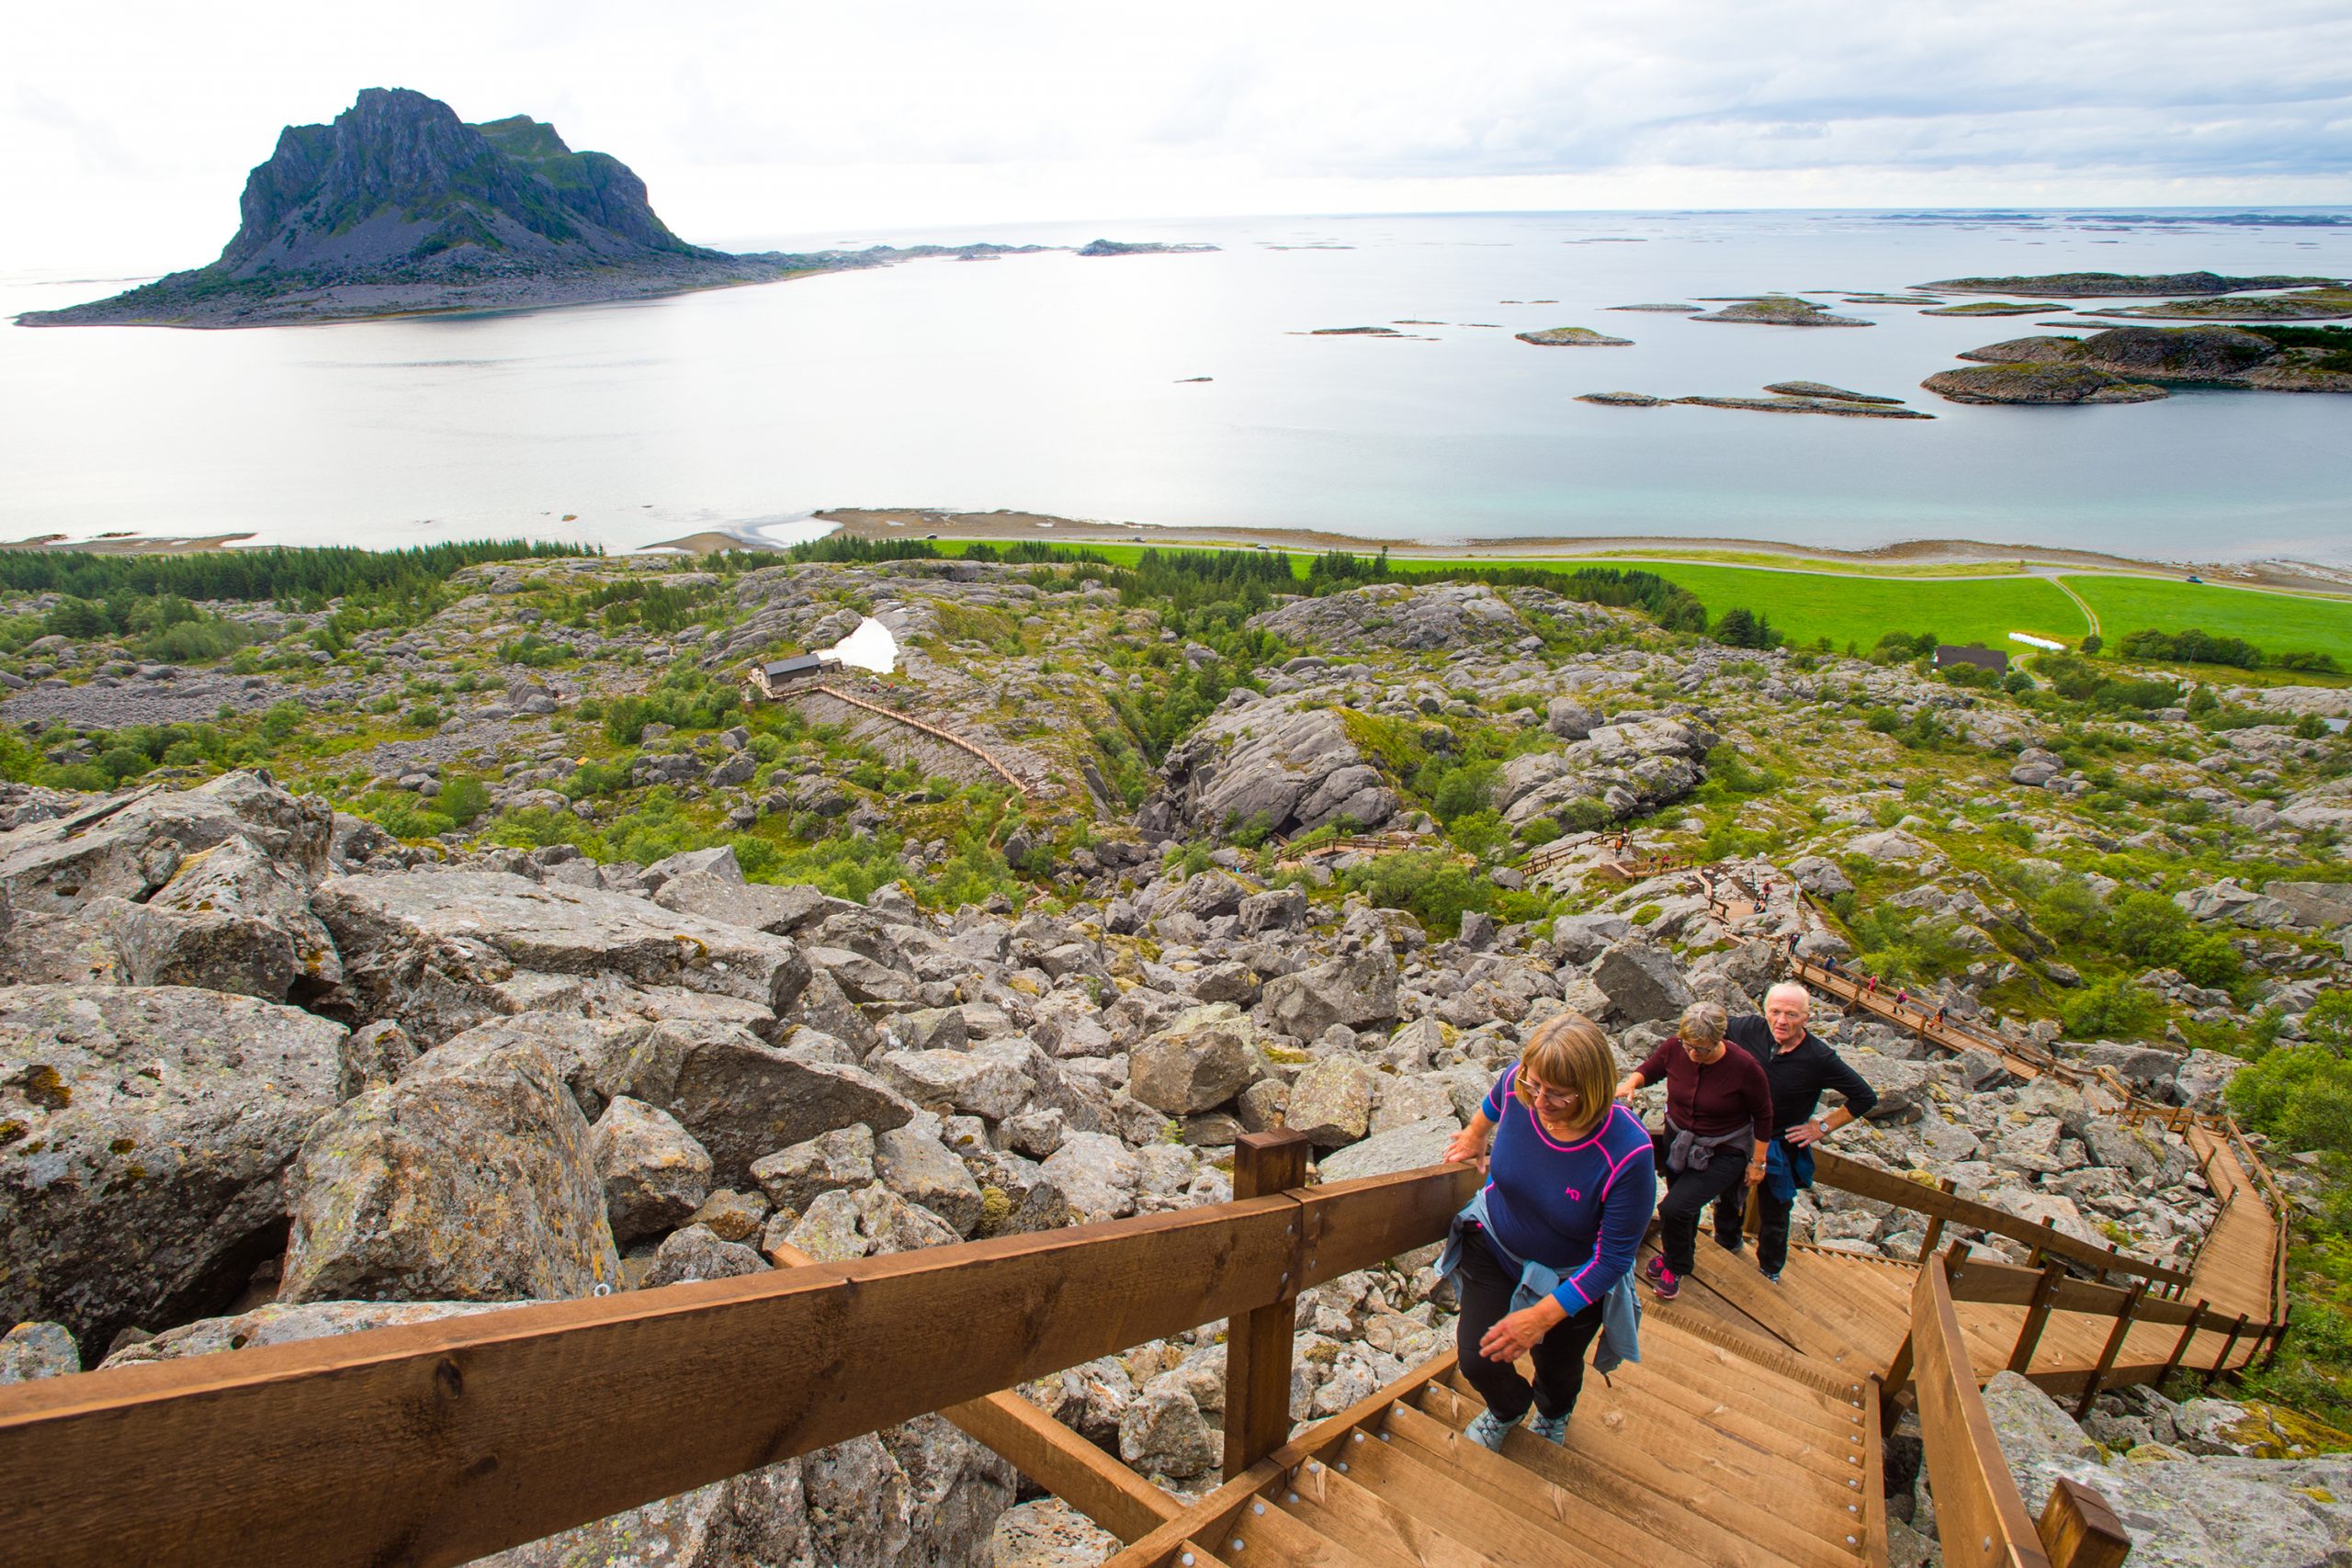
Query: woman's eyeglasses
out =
(1554, 1099)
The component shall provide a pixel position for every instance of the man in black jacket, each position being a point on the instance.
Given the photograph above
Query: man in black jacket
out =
(1799, 1067)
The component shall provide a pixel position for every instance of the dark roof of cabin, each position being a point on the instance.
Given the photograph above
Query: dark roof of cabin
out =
(1976, 653)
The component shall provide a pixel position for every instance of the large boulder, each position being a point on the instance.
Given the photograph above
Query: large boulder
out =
(797, 1177)
(128, 846)
(1383, 1153)
(142, 1135)
(1099, 1175)
(1330, 1101)
(1618, 769)
(1273, 762)
(34, 1350)
(655, 1175)
(778, 910)
(1201, 1059)
(991, 1082)
(1643, 983)
(472, 1179)
(1358, 991)
(444, 950)
(233, 917)
(1388, 615)
(2203, 1077)
(743, 1099)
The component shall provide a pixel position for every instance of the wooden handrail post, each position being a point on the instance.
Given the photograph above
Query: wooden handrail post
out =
(2187, 1333)
(2121, 1332)
(2270, 1357)
(1946, 1186)
(1258, 1345)
(2228, 1345)
(2079, 1530)
(2036, 1317)
(1890, 1385)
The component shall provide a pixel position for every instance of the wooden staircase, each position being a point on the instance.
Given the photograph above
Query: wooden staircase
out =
(1696, 1458)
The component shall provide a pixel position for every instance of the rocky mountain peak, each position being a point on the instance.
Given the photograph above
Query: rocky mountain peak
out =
(398, 184)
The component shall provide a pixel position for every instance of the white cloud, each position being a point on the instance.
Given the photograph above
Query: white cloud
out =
(777, 119)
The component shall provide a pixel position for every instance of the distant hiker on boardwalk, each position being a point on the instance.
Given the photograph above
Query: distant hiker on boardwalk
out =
(1799, 1067)
(1543, 1254)
(1718, 1126)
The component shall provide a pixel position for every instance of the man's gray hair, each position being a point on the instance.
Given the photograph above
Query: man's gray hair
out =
(1792, 989)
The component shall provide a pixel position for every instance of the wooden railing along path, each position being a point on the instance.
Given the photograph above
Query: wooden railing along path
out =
(949, 736)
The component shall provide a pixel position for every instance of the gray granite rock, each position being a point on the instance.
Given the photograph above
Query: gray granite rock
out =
(470, 1180)
(143, 1134)
(654, 1173)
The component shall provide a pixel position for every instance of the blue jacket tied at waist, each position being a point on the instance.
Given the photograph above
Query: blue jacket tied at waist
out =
(1621, 1305)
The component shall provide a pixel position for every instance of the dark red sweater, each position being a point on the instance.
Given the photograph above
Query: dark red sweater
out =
(1727, 1093)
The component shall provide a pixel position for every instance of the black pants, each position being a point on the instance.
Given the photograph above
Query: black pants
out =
(1485, 1287)
(1772, 1231)
(1689, 1191)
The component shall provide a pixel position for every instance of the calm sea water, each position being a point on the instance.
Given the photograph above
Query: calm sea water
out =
(1054, 384)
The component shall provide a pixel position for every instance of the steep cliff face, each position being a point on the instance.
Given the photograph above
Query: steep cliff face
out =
(400, 186)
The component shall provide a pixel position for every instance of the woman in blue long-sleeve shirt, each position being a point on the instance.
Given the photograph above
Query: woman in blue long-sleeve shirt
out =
(1570, 1186)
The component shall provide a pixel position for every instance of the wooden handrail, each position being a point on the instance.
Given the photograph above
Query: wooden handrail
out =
(1980, 1517)
(479, 1433)
(1887, 1186)
(949, 736)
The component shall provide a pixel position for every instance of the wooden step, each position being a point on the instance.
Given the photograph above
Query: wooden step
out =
(1512, 1535)
(1381, 1532)
(1267, 1533)
(1676, 1438)
(1819, 1452)
(1779, 1518)
(1672, 1520)
(1790, 1389)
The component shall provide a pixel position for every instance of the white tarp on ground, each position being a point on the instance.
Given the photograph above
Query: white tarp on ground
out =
(871, 646)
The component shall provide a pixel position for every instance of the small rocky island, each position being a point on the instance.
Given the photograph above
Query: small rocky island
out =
(2100, 284)
(2301, 305)
(1573, 337)
(1791, 397)
(399, 208)
(1141, 248)
(1782, 310)
(2128, 364)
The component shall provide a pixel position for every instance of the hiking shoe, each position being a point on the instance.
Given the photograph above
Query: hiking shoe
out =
(1666, 1284)
(1488, 1431)
(1653, 1268)
(1551, 1429)
(1735, 1246)
(1771, 1276)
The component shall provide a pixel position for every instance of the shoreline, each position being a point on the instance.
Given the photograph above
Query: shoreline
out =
(1943, 559)
(1906, 557)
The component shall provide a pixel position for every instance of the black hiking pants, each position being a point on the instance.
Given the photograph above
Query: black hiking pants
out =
(1686, 1192)
(1773, 1226)
(1486, 1285)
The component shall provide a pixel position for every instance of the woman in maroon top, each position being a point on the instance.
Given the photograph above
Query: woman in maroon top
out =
(1718, 1126)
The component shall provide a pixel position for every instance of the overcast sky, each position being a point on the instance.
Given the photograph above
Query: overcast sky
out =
(128, 128)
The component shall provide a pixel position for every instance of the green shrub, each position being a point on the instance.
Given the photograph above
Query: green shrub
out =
(1433, 887)
(2110, 1009)
(462, 799)
(2300, 1095)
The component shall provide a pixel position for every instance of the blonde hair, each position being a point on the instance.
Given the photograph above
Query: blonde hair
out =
(1703, 1023)
(1568, 1051)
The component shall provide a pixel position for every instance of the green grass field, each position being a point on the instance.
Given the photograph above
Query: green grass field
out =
(1845, 606)
(1805, 607)
(2275, 622)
